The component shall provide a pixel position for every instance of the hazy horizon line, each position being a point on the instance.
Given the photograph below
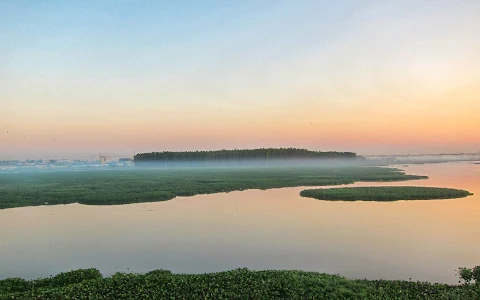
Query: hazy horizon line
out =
(90, 156)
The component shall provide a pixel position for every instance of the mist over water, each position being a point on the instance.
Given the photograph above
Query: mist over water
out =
(293, 163)
(188, 165)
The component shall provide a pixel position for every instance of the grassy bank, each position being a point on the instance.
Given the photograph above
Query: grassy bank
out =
(236, 284)
(384, 193)
(112, 187)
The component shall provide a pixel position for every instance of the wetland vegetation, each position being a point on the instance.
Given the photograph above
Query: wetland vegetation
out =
(112, 187)
(235, 284)
(384, 193)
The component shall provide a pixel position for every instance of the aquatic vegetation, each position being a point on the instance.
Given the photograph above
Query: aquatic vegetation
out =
(465, 274)
(111, 187)
(384, 193)
(468, 275)
(13, 285)
(235, 284)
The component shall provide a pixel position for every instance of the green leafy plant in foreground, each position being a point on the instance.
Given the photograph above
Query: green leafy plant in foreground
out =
(235, 284)
(469, 275)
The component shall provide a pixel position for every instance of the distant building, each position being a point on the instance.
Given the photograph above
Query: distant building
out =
(125, 161)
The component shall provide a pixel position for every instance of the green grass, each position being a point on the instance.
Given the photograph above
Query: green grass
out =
(384, 193)
(112, 187)
(236, 284)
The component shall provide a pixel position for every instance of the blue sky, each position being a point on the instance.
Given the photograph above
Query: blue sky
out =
(223, 74)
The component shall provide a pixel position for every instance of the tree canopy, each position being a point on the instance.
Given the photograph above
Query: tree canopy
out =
(242, 155)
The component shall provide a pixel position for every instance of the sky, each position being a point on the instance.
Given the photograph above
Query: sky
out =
(374, 77)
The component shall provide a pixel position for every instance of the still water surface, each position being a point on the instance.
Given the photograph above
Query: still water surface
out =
(272, 229)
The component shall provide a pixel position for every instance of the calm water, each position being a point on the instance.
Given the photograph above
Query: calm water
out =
(273, 229)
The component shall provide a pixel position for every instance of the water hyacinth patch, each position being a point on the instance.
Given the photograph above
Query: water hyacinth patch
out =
(235, 284)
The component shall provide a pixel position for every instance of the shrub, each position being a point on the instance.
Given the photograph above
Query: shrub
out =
(12, 285)
(466, 274)
(476, 274)
(67, 278)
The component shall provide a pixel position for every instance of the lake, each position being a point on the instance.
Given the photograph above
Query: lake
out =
(272, 229)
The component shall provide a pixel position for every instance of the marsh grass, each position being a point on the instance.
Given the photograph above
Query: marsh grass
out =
(384, 193)
(112, 187)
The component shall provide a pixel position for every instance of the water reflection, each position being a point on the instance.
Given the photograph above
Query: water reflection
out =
(273, 229)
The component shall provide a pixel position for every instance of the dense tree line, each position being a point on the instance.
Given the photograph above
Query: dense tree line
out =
(262, 154)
